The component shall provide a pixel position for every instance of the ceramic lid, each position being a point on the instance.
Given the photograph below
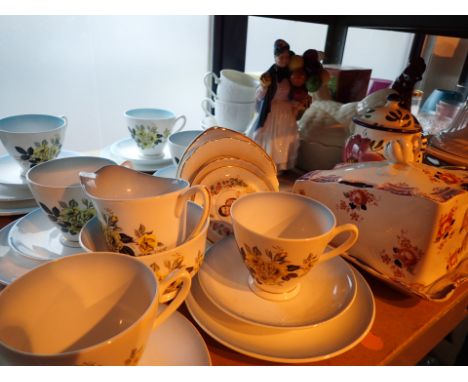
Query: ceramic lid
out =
(414, 179)
(390, 117)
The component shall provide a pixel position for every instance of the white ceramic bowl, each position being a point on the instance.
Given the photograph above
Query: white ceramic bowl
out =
(32, 138)
(56, 187)
(188, 256)
(178, 142)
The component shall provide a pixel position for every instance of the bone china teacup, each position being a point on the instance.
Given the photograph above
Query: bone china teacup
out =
(56, 187)
(32, 138)
(142, 214)
(150, 128)
(86, 309)
(281, 236)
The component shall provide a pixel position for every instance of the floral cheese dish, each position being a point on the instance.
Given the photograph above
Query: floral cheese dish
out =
(412, 219)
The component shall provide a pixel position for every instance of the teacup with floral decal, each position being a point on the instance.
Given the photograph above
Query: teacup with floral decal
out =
(281, 236)
(86, 309)
(150, 128)
(56, 187)
(32, 138)
(142, 214)
(188, 256)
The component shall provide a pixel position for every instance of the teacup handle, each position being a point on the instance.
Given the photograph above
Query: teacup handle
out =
(215, 79)
(178, 275)
(184, 121)
(206, 203)
(349, 242)
(206, 105)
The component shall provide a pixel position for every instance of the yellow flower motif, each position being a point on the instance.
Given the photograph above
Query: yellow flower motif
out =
(147, 243)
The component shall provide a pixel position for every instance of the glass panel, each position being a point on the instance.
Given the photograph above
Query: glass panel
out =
(385, 52)
(262, 33)
(93, 68)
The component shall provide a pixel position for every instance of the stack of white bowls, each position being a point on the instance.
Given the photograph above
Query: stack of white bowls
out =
(234, 100)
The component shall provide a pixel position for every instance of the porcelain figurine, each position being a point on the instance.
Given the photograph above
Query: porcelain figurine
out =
(283, 97)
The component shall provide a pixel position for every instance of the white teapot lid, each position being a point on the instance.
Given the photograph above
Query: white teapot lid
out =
(390, 117)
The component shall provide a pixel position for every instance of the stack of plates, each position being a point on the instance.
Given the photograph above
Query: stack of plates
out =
(332, 313)
(29, 242)
(127, 150)
(15, 196)
(230, 165)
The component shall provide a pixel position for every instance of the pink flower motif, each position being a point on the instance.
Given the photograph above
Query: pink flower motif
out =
(358, 149)
(355, 216)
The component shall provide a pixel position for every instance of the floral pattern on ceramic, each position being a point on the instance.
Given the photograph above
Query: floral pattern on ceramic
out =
(454, 257)
(404, 256)
(272, 267)
(147, 137)
(223, 194)
(216, 188)
(443, 194)
(141, 244)
(401, 188)
(221, 228)
(41, 151)
(361, 149)
(70, 217)
(443, 176)
(167, 266)
(357, 201)
(445, 228)
(320, 179)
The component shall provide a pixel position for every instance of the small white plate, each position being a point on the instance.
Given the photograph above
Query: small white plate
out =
(231, 162)
(10, 171)
(20, 207)
(175, 343)
(227, 184)
(167, 172)
(8, 194)
(12, 263)
(288, 346)
(326, 292)
(127, 149)
(36, 237)
(217, 142)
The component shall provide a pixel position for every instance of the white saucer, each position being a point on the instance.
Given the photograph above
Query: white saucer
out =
(167, 172)
(326, 292)
(10, 174)
(36, 237)
(10, 171)
(11, 194)
(21, 207)
(175, 343)
(288, 346)
(12, 263)
(127, 149)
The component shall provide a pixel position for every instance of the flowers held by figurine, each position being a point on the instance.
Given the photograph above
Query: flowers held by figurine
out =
(283, 96)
